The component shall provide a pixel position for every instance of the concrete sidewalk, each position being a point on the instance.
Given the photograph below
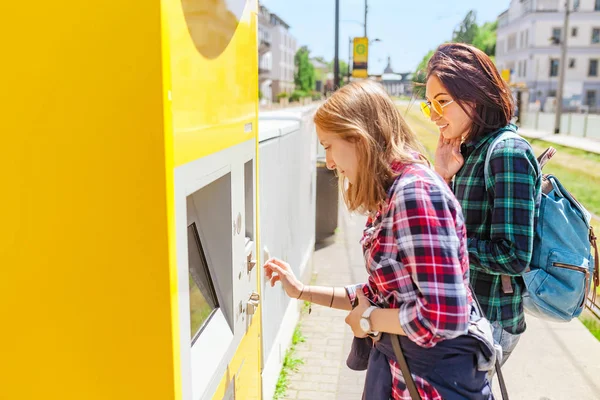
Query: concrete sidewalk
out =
(591, 145)
(552, 361)
(324, 374)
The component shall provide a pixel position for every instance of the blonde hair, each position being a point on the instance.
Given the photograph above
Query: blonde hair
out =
(363, 113)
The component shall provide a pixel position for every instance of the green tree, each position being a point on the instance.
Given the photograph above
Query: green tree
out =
(320, 75)
(485, 40)
(304, 78)
(483, 37)
(321, 68)
(420, 74)
(343, 69)
(467, 30)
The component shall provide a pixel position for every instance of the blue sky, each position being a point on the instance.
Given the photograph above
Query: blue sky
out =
(407, 28)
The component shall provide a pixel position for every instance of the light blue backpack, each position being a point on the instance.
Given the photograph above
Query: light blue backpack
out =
(562, 267)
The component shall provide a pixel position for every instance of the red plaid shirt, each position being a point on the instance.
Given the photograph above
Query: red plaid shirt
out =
(416, 255)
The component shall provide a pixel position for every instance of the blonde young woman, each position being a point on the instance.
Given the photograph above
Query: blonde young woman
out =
(414, 248)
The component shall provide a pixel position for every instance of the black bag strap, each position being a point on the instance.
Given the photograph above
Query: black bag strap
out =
(501, 382)
(410, 383)
(408, 379)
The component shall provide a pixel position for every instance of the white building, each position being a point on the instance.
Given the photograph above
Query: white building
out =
(265, 54)
(395, 83)
(527, 44)
(277, 49)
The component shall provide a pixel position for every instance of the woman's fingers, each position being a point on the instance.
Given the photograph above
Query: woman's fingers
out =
(274, 267)
(270, 268)
(443, 142)
(278, 271)
(456, 149)
(275, 279)
(279, 263)
(440, 140)
(268, 271)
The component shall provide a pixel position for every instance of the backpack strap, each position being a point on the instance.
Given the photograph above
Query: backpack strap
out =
(508, 133)
(596, 277)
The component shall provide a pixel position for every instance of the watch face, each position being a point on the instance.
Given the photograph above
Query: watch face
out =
(364, 325)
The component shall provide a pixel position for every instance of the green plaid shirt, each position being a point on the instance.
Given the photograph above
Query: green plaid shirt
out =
(500, 222)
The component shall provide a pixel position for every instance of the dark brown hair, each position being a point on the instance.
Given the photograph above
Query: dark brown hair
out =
(472, 79)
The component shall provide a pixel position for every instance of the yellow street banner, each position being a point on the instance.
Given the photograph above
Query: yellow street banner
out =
(360, 57)
(505, 73)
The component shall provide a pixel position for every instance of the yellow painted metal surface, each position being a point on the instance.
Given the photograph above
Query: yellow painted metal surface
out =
(101, 103)
(171, 230)
(245, 366)
(213, 46)
(360, 57)
(214, 93)
(85, 209)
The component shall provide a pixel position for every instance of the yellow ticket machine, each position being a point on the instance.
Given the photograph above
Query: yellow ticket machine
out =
(128, 159)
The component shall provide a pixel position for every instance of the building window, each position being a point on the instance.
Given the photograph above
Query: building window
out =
(554, 67)
(593, 68)
(525, 68)
(574, 31)
(512, 42)
(556, 34)
(596, 35)
(576, 5)
(522, 39)
(571, 63)
(590, 98)
(511, 67)
(597, 6)
(551, 93)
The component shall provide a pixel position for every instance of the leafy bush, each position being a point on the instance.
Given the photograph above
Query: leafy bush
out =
(297, 95)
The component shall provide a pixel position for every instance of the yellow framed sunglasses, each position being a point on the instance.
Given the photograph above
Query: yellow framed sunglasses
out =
(426, 107)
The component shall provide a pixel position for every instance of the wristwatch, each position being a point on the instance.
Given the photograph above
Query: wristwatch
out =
(365, 322)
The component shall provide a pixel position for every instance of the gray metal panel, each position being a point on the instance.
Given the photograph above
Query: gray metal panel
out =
(287, 211)
(249, 197)
(268, 130)
(210, 209)
(272, 211)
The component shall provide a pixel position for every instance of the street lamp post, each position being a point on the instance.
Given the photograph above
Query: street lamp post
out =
(336, 60)
(349, 55)
(366, 8)
(350, 44)
(371, 42)
(364, 24)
